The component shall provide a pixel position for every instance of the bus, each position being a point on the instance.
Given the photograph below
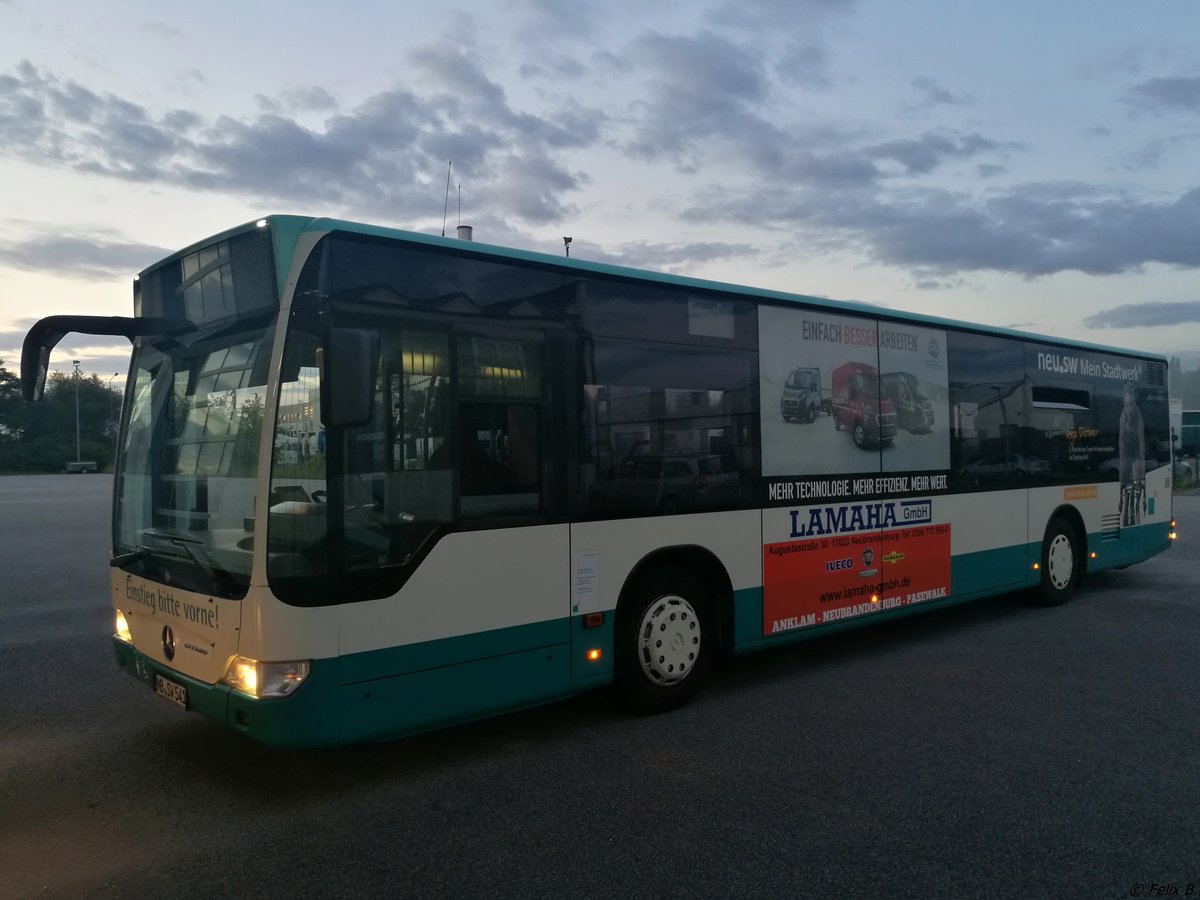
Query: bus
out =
(522, 476)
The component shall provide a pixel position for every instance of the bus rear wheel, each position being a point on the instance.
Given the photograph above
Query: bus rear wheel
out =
(1061, 563)
(664, 641)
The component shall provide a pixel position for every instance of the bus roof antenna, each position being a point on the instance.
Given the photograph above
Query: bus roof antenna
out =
(446, 208)
(567, 244)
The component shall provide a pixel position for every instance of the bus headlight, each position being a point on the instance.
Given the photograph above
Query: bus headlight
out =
(265, 679)
(121, 629)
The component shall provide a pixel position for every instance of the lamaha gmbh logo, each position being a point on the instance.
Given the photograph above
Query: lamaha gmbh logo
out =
(852, 517)
(168, 642)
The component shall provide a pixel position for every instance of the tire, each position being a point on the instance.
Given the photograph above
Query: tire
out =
(1062, 564)
(810, 415)
(860, 435)
(665, 640)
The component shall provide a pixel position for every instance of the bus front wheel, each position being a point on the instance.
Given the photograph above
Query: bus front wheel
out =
(1061, 566)
(664, 641)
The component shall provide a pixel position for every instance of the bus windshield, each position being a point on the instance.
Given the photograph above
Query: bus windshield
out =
(186, 479)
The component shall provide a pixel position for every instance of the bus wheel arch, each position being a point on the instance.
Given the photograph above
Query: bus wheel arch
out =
(675, 603)
(1063, 556)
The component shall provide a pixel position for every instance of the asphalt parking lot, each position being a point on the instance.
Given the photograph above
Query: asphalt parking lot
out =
(992, 750)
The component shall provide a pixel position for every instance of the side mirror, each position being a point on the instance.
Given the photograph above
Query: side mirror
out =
(33, 377)
(349, 363)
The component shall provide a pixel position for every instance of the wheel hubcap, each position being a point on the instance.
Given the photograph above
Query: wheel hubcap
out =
(1060, 561)
(669, 640)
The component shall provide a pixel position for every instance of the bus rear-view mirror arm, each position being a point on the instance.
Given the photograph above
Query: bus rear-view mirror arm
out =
(47, 332)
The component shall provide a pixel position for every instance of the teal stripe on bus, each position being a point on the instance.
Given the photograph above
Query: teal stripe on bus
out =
(390, 661)
(393, 692)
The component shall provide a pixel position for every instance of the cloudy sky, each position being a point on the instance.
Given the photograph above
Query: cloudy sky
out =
(1026, 164)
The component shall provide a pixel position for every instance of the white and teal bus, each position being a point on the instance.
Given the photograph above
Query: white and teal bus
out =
(373, 482)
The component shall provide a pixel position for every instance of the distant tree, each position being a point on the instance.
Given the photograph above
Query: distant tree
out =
(40, 437)
(245, 443)
(12, 420)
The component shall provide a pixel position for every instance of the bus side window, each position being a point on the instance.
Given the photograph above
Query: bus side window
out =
(499, 427)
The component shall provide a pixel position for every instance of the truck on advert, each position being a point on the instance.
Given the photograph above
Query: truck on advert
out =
(914, 412)
(802, 396)
(858, 406)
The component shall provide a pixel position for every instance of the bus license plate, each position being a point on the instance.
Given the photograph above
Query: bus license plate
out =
(171, 691)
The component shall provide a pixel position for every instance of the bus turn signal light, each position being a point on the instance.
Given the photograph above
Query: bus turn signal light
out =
(593, 655)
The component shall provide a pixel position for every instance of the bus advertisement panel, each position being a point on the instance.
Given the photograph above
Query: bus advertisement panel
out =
(874, 543)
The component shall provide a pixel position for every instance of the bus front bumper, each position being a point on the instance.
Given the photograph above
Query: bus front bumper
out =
(292, 721)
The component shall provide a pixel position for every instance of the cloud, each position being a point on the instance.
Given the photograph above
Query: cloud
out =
(546, 21)
(933, 94)
(697, 88)
(377, 158)
(782, 15)
(795, 28)
(806, 65)
(1165, 95)
(1152, 154)
(1028, 230)
(677, 258)
(159, 30)
(97, 353)
(926, 153)
(308, 99)
(94, 257)
(1146, 315)
(708, 99)
(559, 67)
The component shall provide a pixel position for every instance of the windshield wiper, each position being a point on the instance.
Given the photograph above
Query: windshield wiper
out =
(194, 548)
(132, 556)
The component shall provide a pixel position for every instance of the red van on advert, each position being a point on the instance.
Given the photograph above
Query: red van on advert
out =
(858, 406)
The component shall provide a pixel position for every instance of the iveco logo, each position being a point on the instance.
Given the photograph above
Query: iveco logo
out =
(168, 643)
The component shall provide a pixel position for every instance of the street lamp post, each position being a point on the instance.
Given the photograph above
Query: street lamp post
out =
(78, 457)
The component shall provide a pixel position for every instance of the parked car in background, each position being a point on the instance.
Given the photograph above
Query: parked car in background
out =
(668, 484)
(1005, 465)
(1181, 469)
